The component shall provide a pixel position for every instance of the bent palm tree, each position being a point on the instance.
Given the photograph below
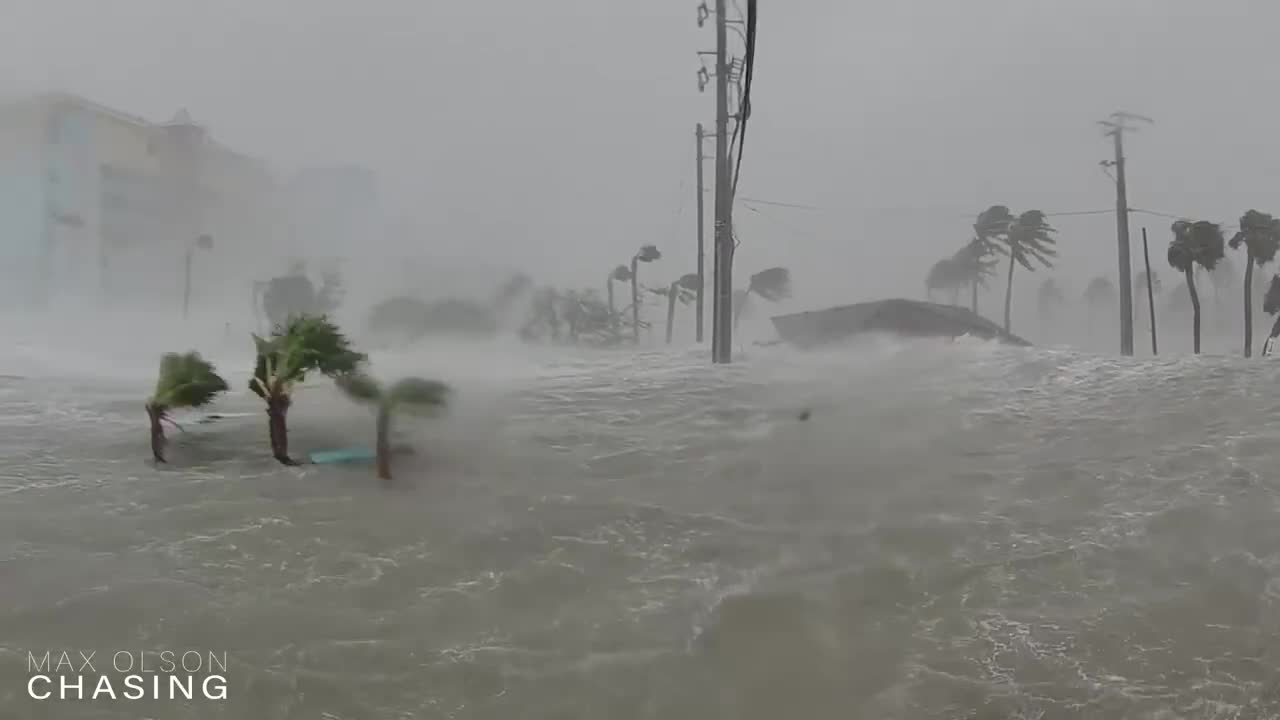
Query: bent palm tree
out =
(946, 274)
(186, 381)
(410, 392)
(772, 284)
(1029, 238)
(647, 254)
(683, 291)
(1195, 244)
(1271, 306)
(284, 358)
(1260, 235)
(978, 256)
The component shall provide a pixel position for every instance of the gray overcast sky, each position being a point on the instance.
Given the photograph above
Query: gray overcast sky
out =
(558, 133)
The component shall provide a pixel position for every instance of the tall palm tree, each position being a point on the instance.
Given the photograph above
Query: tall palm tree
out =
(975, 264)
(1099, 293)
(772, 284)
(186, 381)
(647, 254)
(1260, 235)
(1271, 306)
(1195, 244)
(619, 274)
(303, 345)
(684, 291)
(1030, 238)
(411, 392)
(1049, 298)
(948, 274)
(978, 256)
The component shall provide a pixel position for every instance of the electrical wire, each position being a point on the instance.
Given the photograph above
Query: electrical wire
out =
(745, 108)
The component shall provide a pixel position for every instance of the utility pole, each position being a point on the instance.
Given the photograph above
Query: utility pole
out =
(723, 324)
(702, 225)
(722, 291)
(1116, 126)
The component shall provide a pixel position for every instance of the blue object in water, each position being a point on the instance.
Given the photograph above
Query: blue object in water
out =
(344, 455)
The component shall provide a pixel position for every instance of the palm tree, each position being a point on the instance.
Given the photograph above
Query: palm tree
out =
(1098, 293)
(978, 256)
(1260, 235)
(284, 358)
(647, 254)
(1029, 238)
(1271, 306)
(411, 392)
(1195, 244)
(772, 284)
(619, 274)
(684, 290)
(1049, 298)
(975, 264)
(946, 274)
(186, 381)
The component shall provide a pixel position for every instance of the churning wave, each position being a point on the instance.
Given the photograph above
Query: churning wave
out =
(958, 530)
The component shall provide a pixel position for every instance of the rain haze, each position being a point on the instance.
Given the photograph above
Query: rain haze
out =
(977, 507)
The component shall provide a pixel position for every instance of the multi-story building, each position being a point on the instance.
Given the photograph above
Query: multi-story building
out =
(102, 205)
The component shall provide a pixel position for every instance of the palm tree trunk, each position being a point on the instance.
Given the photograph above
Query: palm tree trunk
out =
(635, 302)
(973, 300)
(1248, 305)
(156, 414)
(672, 292)
(1195, 312)
(382, 442)
(1008, 294)
(278, 429)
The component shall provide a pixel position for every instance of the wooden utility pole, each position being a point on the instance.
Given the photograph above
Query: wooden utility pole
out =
(722, 325)
(702, 225)
(1116, 126)
(1151, 293)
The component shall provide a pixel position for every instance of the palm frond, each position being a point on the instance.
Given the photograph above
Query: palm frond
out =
(622, 273)
(187, 380)
(420, 392)
(772, 284)
(648, 253)
(360, 387)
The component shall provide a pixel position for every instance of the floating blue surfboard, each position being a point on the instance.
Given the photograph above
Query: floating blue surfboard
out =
(343, 455)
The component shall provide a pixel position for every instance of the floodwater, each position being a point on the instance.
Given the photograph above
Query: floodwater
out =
(957, 531)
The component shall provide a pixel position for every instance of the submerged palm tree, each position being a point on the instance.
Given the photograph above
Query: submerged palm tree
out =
(284, 358)
(410, 392)
(1260, 235)
(647, 254)
(1195, 244)
(1029, 238)
(186, 381)
(772, 284)
(683, 291)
